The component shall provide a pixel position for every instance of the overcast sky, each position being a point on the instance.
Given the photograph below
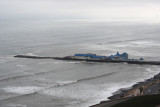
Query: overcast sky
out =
(79, 9)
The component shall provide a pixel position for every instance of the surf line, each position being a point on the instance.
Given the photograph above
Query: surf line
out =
(58, 85)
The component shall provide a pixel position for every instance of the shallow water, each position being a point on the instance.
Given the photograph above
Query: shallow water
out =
(53, 83)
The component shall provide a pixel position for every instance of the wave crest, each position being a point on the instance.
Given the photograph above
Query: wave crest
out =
(31, 54)
(61, 83)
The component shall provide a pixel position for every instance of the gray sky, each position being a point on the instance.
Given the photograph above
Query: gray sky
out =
(80, 9)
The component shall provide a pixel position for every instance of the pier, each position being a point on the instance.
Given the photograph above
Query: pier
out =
(141, 62)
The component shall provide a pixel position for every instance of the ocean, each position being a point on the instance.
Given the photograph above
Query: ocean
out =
(56, 83)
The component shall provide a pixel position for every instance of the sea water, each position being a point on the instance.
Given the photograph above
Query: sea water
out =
(54, 83)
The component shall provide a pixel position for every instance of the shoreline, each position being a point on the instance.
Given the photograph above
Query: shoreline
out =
(147, 87)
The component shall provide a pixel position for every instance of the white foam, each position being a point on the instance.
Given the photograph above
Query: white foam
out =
(22, 90)
(14, 105)
(21, 66)
(86, 93)
(31, 54)
(150, 72)
(65, 82)
(90, 94)
(146, 43)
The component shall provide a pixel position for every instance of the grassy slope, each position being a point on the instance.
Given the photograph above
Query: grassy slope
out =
(141, 101)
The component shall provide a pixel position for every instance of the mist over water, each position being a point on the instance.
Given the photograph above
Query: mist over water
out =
(53, 83)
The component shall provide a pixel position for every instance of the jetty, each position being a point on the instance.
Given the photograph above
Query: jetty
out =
(117, 58)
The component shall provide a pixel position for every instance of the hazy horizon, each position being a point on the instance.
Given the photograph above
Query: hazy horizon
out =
(99, 10)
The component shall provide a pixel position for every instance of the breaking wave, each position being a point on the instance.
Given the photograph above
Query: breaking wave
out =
(90, 78)
(31, 90)
(62, 83)
(31, 54)
(22, 90)
(151, 72)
